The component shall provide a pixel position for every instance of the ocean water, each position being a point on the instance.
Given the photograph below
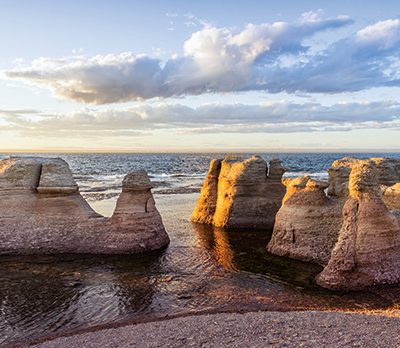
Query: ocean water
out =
(204, 269)
(100, 175)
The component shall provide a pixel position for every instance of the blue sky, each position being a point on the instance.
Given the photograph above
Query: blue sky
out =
(201, 76)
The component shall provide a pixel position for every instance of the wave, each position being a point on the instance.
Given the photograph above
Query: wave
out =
(314, 175)
(176, 175)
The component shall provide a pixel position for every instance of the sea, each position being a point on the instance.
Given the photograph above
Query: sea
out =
(203, 270)
(100, 175)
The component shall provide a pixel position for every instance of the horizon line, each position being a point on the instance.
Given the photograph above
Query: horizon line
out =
(199, 151)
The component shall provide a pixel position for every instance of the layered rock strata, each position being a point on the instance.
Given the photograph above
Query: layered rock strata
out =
(241, 194)
(368, 248)
(42, 212)
(353, 229)
(308, 222)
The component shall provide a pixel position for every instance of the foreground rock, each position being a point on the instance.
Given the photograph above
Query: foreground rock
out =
(241, 194)
(353, 230)
(42, 212)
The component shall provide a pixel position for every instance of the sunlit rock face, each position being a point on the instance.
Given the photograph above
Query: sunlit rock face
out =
(42, 212)
(391, 196)
(353, 230)
(241, 193)
(207, 202)
(387, 169)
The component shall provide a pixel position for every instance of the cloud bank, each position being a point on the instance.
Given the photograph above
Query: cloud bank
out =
(271, 57)
(276, 117)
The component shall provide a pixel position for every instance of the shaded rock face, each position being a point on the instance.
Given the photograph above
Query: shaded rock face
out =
(339, 176)
(353, 230)
(241, 194)
(307, 224)
(42, 212)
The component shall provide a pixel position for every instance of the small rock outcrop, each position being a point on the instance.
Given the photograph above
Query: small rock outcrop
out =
(42, 212)
(241, 193)
(350, 226)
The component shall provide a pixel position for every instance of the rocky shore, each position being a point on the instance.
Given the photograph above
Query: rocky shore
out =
(349, 225)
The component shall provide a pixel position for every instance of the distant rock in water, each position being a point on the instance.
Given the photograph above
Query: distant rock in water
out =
(241, 193)
(42, 212)
(351, 225)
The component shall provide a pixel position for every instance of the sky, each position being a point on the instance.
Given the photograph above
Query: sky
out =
(165, 76)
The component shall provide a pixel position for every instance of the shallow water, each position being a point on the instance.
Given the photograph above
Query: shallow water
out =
(203, 269)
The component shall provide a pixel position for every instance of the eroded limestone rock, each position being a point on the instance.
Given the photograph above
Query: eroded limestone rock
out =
(241, 193)
(207, 202)
(307, 224)
(368, 249)
(339, 176)
(388, 172)
(353, 230)
(391, 196)
(42, 212)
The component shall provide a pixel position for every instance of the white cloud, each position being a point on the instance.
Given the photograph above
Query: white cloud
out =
(273, 117)
(384, 34)
(214, 60)
(269, 57)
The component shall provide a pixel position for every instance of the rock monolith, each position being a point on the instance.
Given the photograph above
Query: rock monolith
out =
(42, 212)
(241, 193)
(350, 225)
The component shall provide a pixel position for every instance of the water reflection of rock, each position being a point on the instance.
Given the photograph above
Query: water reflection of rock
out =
(217, 241)
(69, 292)
(241, 250)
